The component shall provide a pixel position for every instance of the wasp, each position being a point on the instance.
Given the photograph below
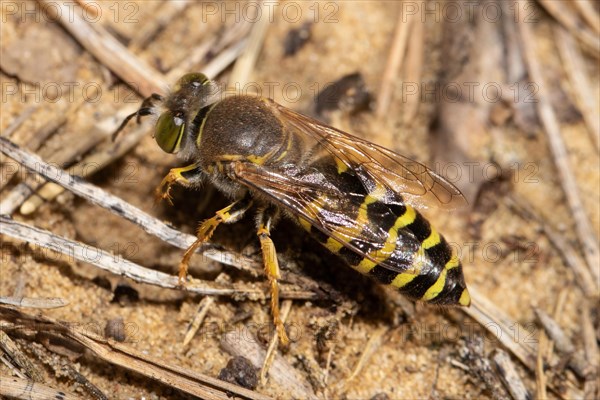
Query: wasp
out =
(358, 199)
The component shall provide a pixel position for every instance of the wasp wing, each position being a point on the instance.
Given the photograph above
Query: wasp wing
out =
(412, 181)
(308, 196)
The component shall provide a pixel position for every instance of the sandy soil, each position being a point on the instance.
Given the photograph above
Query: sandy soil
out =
(505, 256)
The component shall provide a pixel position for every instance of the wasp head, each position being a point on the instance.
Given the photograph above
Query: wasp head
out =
(177, 111)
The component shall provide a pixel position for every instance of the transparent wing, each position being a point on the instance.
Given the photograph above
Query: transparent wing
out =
(418, 185)
(328, 209)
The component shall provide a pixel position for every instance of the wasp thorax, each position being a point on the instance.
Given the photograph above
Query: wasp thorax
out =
(240, 128)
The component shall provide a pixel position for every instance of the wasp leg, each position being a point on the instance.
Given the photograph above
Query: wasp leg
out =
(230, 214)
(265, 221)
(176, 175)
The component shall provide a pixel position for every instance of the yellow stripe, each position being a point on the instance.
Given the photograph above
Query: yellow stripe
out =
(432, 240)
(376, 195)
(465, 298)
(385, 252)
(435, 289)
(403, 279)
(333, 245)
(343, 235)
(281, 156)
(390, 244)
(381, 255)
(407, 218)
(312, 209)
(199, 138)
(362, 219)
(364, 266)
(438, 286)
(304, 223)
(259, 160)
(287, 149)
(453, 262)
(230, 157)
(341, 165)
(346, 234)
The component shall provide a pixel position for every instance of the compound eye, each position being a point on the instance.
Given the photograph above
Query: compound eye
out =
(169, 131)
(196, 79)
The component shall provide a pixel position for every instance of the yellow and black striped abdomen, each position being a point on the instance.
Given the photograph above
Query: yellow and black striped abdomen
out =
(379, 236)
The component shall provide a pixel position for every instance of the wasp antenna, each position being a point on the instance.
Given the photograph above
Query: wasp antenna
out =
(145, 109)
(157, 97)
(123, 124)
(149, 101)
(140, 113)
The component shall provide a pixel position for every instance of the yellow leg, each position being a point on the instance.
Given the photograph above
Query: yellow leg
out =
(272, 270)
(227, 215)
(163, 191)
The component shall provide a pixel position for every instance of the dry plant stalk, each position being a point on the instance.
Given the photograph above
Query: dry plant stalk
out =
(286, 307)
(17, 122)
(414, 70)
(63, 367)
(24, 389)
(585, 233)
(242, 70)
(370, 348)
(569, 255)
(64, 155)
(395, 58)
(567, 17)
(31, 140)
(588, 13)
(201, 312)
(592, 379)
(476, 362)
(510, 376)
(168, 11)
(109, 262)
(89, 165)
(545, 350)
(540, 374)
(576, 71)
(243, 343)
(229, 48)
(199, 316)
(133, 71)
(30, 302)
(13, 351)
(121, 61)
(133, 214)
(493, 319)
(116, 150)
(563, 343)
(126, 357)
(143, 79)
(116, 205)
